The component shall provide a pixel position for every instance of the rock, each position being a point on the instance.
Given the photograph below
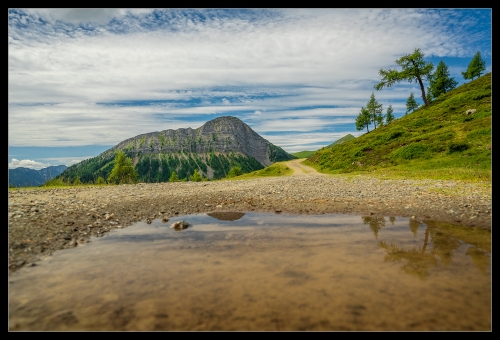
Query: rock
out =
(470, 111)
(164, 220)
(179, 225)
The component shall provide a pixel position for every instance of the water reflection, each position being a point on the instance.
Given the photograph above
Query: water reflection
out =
(375, 224)
(440, 241)
(263, 272)
(226, 215)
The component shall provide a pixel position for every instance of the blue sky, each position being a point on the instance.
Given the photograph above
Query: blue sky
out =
(83, 80)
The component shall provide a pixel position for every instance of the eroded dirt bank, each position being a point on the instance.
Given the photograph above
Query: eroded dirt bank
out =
(45, 220)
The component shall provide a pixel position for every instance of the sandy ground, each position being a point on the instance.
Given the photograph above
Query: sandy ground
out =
(42, 221)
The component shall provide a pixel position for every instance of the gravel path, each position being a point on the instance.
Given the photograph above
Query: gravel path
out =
(300, 169)
(42, 221)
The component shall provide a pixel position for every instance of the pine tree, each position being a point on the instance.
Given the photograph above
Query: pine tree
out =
(173, 177)
(441, 82)
(389, 117)
(123, 171)
(196, 177)
(363, 120)
(374, 109)
(476, 66)
(411, 104)
(414, 68)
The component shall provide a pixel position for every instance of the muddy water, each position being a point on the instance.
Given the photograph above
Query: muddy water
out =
(235, 271)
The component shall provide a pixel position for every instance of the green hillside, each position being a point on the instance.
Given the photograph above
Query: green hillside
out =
(303, 154)
(439, 141)
(306, 154)
(342, 140)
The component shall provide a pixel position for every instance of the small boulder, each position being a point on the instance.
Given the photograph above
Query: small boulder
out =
(470, 111)
(179, 225)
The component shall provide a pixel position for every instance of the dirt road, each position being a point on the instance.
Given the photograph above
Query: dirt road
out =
(300, 169)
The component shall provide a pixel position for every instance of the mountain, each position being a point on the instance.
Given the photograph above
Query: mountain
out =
(452, 137)
(24, 177)
(212, 149)
(342, 140)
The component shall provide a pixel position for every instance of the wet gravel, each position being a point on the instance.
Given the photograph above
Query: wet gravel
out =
(42, 221)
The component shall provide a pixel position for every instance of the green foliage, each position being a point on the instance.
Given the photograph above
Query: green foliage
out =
(411, 151)
(414, 69)
(276, 169)
(196, 177)
(77, 181)
(363, 120)
(436, 141)
(389, 117)
(277, 154)
(475, 68)
(123, 170)
(457, 147)
(55, 182)
(235, 171)
(374, 109)
(141, 141)
(303, 154)
(441, 82)
(173, 177)
(100, 181)
(411, 104)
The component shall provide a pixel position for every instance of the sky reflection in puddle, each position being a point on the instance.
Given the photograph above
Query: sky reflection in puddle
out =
(235, 271)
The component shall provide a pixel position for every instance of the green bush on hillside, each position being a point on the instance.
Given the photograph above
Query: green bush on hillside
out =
(411, 151)
(457, 147)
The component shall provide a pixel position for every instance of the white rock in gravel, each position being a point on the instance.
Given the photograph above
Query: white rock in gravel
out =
(179, 225)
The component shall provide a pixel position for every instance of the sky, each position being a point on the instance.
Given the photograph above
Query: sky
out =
(82, 80)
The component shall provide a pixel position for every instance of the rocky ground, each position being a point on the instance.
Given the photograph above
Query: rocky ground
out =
(42, 221)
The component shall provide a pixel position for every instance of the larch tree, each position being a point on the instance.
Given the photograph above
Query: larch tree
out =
(441, 82)
(476, 66)
(123, 171)
(375, 110)
(414, 69)
(363, 120)
(411, 104)
(389, 117)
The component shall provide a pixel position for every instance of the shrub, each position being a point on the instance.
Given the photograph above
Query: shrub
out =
(173, 177)
(100, 181)
(457, 147)
(411, 151)
(196, 177)
(235, 171)
(123, 170)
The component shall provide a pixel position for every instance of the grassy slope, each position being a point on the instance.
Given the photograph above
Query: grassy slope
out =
(342, 140)
(303, 154)
(306, 154)
(439, 141)
(274, 170)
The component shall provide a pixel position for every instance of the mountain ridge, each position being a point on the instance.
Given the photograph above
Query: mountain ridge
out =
(25, 177)
(212, 149)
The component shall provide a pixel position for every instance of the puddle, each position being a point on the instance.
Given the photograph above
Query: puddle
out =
(235, 271)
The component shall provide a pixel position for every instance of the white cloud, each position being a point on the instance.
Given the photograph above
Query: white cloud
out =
(27, 163)
(316, 65)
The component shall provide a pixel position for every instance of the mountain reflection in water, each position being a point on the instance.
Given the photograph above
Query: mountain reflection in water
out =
(253, 271)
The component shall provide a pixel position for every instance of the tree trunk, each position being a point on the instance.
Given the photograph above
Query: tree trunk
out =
(423, 91)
